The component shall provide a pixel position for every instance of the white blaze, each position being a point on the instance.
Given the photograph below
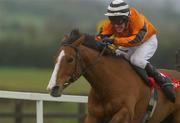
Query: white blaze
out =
(52, 81)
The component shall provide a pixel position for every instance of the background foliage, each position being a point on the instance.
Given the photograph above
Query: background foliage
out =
(31, 30)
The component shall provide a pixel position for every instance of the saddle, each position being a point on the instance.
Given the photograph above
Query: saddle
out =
(150, 81)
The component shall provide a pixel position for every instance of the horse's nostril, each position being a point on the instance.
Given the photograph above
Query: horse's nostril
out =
(56, 91)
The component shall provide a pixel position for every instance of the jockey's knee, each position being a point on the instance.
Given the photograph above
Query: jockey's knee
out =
(138, 62)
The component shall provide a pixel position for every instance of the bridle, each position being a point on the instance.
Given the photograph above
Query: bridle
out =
(79, 60)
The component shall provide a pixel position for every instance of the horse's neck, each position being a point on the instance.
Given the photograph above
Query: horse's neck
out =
(103, 72)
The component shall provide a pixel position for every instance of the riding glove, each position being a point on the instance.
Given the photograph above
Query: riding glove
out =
(101, 44)
(119, 52)
(107, 40)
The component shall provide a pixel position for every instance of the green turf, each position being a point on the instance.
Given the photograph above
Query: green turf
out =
(36, 80)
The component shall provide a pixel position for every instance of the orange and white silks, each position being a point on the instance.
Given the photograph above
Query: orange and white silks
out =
(138, 30)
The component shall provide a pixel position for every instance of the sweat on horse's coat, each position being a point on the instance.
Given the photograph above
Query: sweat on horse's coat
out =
(118, 94)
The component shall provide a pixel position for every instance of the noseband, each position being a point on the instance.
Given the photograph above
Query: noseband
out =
(78, 59)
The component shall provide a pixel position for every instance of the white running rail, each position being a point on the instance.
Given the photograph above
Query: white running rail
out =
(39, 98)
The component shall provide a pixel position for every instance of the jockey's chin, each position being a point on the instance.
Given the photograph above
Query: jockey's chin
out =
(120, 28)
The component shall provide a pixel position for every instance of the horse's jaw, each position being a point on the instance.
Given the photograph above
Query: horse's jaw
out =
(56, 91)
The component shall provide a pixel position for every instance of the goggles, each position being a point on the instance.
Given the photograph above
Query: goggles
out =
(118, 19)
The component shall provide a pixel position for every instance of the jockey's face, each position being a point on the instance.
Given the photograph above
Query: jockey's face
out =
(119, 28)
(119, 23)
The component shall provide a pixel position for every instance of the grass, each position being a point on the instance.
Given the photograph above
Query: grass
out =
(36, 80)
(23, 79)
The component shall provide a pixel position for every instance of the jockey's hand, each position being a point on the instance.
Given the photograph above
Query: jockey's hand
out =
(101, 44)
(119, 52)
(107, 40)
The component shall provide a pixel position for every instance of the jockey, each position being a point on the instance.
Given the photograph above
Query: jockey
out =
(132, 32)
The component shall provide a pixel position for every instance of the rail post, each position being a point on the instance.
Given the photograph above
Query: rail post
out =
(178, 60)
(39, 111)
(82, 111)
(18, 111)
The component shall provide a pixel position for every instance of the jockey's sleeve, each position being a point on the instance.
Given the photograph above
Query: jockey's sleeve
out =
(104, 30)
(100, 37)
(133, 40)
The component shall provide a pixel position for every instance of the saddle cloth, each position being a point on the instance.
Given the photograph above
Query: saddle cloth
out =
(175, 82)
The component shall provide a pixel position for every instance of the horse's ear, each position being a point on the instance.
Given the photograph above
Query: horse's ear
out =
(79, 41)
(74, 33)
(65, 37)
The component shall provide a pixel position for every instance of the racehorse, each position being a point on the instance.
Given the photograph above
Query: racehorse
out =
(118, 93)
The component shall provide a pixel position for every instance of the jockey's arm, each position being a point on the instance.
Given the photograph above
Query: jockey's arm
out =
(104, 30)
(133, 40)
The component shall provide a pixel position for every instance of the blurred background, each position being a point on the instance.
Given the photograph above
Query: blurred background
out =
(31, 31)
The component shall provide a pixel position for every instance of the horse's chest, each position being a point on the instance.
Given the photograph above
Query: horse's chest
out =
(104, 109)
(110, 108)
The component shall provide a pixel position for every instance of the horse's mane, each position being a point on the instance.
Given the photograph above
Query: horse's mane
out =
(89, 42)
(75, 35)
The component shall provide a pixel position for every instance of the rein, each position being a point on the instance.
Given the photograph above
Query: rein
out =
(75, 75)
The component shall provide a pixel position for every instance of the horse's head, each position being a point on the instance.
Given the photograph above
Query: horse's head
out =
(68, 64)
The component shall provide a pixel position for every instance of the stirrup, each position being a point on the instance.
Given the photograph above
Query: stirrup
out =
(166, 84)
(169, 91)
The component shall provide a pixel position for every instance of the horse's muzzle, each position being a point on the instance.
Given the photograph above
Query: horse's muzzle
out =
(56, 91)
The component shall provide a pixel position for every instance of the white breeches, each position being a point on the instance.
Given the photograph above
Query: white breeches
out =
(140, 55)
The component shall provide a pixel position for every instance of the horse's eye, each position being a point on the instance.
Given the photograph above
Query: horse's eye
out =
(70, 60)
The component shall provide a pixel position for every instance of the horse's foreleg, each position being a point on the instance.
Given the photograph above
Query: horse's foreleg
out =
(122, 116)
(177, 117)
(91, 119)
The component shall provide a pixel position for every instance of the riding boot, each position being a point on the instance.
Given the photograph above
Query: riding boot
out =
(164, 82)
